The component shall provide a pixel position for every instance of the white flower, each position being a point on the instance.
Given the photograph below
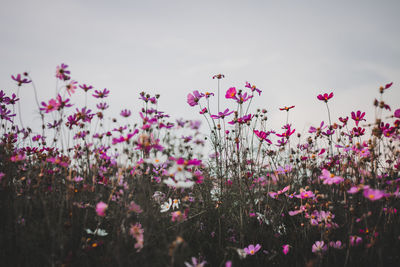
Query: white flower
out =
(180, 173)
(158, 160)
(99, 232)
(166, 206)
(179, 184)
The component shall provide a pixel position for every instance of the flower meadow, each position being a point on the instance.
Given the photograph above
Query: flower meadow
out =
(145, 190)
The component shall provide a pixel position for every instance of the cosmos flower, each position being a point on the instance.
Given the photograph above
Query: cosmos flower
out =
(253, 88)
(125, 113)
(373, 194)
(319, 247)
(193, 99)
(251, 249)
(325, 97)
(71, 87)
(101, 208)
(20, 80)
(285, 249)
(330, 178)
(85, 87)
(222, 115)
(218, 76)
(62, 72)
(195, 262)
(101, 94)
(51, 106)
(231, 93)
(286, 108)
(357, 117)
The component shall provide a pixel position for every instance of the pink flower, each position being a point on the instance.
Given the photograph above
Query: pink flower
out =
(178, 216)
(325, 97)
(62, 72)
(353, 190)
(20, 80)
(373, 194)
(337, 244)
(285, 249)
(194, 98)
(305, 194)
(101, 208)
(251, 249)
(71, 87)
(319, 247)
(330, 178)
(51, 106)
(355, 240)
(231, 93)
(195, 263)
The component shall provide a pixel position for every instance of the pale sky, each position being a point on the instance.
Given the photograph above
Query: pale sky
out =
(292, 50)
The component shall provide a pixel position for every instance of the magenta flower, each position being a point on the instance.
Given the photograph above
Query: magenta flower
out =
(62, 72)
(231, 93)
(85, 87)
(102, 106)
(287, 133)
(357, 131)
(263, 135)
(19, 80)
(373, 194)
(101, 208)
(397, 113)
(11, 100)
(387, 86)
(357, 117)
(344, 120)
(325, 97)
(101, 94)
(241, 98)
(319, 247)
(203, 111)
(320, 128)
(251, 249)
(253, 88)
(242, 120)
(125, 113)
(285, 249)
(5, 113)
(193, 99)
(222, 115)
(63, 103)
(51, 106)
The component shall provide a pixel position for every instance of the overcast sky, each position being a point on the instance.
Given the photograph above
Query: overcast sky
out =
(292, 50)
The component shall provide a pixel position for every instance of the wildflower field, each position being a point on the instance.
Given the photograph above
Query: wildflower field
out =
(151, 190)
